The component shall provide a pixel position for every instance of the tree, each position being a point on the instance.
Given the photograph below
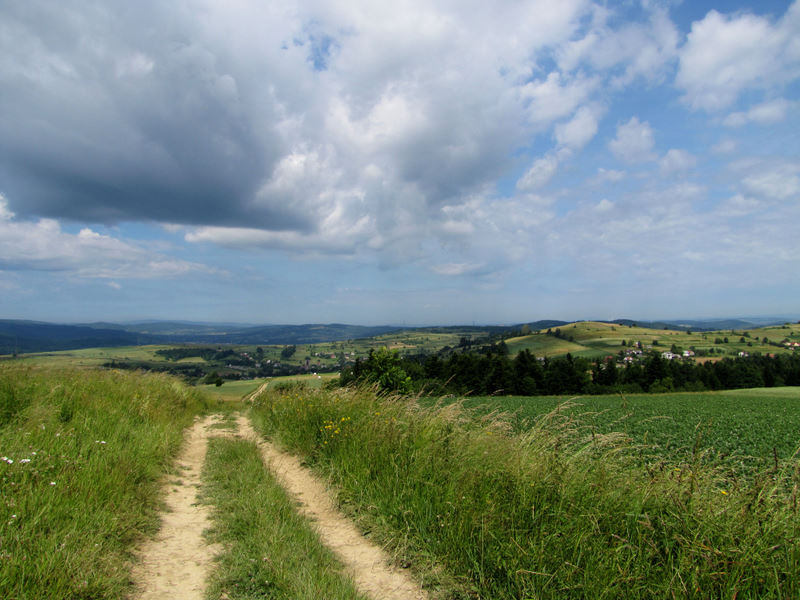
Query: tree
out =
(383, 366)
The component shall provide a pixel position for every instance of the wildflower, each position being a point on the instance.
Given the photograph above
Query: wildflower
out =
(8, 460)
(25, 460)
(723, 492)
(52, 483)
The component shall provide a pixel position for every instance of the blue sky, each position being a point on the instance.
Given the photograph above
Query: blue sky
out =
(407, 162)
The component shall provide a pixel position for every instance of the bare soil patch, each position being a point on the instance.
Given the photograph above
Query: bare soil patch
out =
(175, 563)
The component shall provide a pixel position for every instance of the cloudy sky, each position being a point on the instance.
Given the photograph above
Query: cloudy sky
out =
(413, 161)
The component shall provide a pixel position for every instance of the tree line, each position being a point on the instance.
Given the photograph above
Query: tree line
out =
(494, 372)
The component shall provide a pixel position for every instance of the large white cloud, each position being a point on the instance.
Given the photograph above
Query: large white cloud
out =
(725, 55)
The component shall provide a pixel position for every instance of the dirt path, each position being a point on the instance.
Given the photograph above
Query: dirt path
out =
(256, 393)
(176, 562)
(367, 563)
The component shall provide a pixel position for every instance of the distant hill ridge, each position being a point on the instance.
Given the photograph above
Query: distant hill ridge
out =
(21, 336)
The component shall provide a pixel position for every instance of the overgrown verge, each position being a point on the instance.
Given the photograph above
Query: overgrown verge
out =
(554, 512)
(82, 453)
(270, 551)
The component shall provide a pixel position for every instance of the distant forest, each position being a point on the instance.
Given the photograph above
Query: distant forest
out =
(494, 372)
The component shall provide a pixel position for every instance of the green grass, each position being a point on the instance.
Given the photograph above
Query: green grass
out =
(552, 512)
(83, 454)
(90, 357)
(269, 550)
(311, 381)
(742, 429)
(541, 344)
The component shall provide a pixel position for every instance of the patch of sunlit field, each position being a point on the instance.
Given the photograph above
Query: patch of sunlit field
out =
(89, 357)
(541, 344)
(82, 453)
(232, 390)
(552, 510)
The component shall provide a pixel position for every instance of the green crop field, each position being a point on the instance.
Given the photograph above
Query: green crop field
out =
(742, 429)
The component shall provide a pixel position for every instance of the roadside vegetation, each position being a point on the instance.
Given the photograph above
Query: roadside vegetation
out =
(83, 452)
(270, 551)
(557, 510)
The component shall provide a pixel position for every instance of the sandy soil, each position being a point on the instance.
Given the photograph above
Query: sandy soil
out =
(175, 563)
(367, 563)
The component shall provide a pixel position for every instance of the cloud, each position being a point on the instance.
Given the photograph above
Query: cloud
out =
(634, 49)
(780, 182)
(539, 174)
(676, 160)
(740, 206)
(725, 56)
(765, 113)
(43, 246)
(609, 175)
(555, 97)
(634, 142)
(725, 146)
(253, 115)
(579, 131)
(456, 269)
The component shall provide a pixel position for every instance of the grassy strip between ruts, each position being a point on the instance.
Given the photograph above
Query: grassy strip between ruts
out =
(553, 512)
(83, 453)
(270, 550)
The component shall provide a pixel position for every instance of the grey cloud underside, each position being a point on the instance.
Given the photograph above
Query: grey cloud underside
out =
(99, 127)
(156, 112)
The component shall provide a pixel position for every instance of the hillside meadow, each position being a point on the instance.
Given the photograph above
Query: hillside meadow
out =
(591, 339)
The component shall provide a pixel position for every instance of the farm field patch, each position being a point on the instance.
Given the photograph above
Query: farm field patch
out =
(743, 429)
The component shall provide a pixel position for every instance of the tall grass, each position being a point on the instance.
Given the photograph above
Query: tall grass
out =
(82, 454)
(554, 512)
